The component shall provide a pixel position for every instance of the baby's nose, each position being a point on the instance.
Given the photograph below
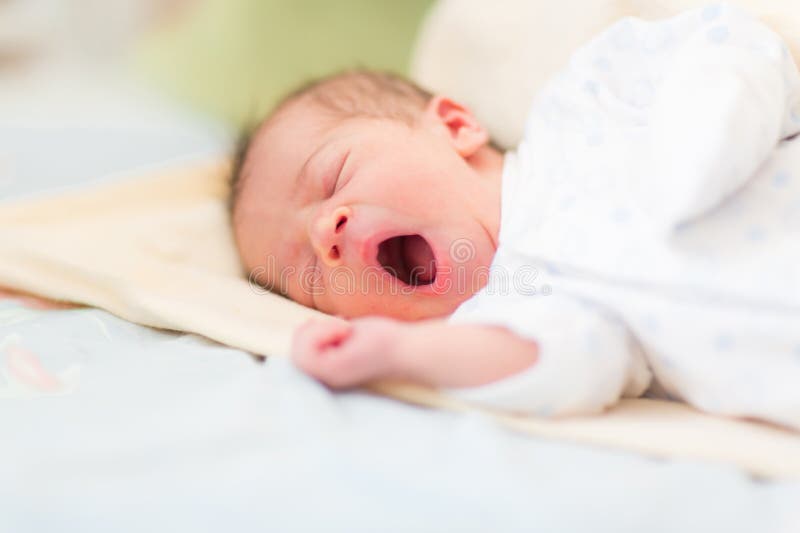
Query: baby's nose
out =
(327, 235)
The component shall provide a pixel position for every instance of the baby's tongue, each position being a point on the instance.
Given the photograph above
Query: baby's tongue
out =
(419, 258)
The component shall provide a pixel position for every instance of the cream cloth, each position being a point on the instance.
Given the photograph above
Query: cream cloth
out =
(158, 251)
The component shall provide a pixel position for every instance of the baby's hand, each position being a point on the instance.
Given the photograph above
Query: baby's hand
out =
(433, 353)
(346, 354)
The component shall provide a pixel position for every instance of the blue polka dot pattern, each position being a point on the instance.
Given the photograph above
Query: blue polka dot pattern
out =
(712, 12)
(756, 234)
(734, 244)
(651, 323)
(602, 63)
(781, 179)
(621, 216)
(594, 138)
(718, 34)
(567, 202)
(551, 269)
(723, 342)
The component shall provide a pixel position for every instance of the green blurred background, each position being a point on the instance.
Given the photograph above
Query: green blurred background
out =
(235, 58)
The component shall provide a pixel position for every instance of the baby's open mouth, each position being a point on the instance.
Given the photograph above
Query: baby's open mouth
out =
(409, 258)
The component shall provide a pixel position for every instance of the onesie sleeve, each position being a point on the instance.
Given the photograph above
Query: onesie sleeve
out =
(587, 359)
(725, 101)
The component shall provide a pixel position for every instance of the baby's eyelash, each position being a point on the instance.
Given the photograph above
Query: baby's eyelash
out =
(335, 186)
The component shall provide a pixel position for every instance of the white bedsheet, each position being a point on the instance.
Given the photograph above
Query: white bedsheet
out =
(163, 432)
(168, 432)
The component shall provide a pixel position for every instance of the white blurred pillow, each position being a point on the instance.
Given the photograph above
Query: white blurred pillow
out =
(493, 56)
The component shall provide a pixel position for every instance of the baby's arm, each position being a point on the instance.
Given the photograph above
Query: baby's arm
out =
(546, 355)
(433, 353)
(725, 102)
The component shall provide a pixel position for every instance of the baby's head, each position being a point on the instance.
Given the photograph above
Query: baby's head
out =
(364, 194)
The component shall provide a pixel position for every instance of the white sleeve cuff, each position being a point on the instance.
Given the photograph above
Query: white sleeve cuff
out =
(586, 360)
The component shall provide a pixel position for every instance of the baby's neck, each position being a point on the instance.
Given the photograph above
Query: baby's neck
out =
(488, 162)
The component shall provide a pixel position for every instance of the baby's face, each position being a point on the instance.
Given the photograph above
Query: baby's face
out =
(370, 216)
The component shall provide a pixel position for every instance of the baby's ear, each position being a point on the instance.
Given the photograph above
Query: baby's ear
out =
(462, 129)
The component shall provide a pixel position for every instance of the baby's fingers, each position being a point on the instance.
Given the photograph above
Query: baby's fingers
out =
(348, 365)
(336, 368)
(316, 336)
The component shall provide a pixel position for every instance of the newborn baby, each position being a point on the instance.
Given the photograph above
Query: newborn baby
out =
(644, 235)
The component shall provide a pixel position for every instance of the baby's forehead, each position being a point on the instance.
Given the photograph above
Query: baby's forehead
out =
(274, 184)
(283, 142)
(302, 112)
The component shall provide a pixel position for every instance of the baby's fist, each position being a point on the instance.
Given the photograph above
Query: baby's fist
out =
(346, 354)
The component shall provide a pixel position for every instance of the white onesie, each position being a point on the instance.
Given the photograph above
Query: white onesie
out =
(651, 223)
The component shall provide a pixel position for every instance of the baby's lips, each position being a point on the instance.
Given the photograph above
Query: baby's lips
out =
(367, 250)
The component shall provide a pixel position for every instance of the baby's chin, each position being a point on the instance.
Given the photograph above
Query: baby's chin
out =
(407, 308)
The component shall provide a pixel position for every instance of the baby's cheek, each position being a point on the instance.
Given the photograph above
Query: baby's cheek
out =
(348, 304)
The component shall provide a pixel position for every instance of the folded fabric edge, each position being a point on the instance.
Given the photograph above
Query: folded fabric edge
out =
(657, 428)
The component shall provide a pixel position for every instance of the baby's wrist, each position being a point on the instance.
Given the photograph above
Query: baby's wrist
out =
(414, 352)
(398, 357)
